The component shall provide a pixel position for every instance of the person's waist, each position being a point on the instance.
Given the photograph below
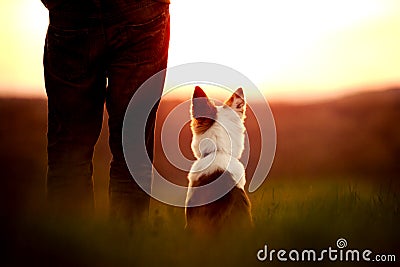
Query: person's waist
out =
(76, 5)
(109, 11)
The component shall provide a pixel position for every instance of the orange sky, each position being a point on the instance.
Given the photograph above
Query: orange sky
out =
(291, 49)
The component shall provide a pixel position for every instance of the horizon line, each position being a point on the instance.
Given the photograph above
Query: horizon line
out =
(272, 99)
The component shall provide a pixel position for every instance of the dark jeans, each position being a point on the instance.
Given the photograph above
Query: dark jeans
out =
(88, 42)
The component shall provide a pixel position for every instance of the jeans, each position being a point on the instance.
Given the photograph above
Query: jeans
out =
(99, 51)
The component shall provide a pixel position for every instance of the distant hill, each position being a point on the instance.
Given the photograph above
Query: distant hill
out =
(357, 134)
(354, 135)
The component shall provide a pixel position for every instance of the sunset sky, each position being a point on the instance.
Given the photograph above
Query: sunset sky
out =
(291, 49)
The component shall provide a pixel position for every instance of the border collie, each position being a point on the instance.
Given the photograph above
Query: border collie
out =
(217, 143)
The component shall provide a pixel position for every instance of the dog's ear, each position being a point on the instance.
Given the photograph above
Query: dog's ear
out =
(237, 102)
(203, 112)
(202, 107)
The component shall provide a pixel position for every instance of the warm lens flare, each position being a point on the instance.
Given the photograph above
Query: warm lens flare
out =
(292, 50)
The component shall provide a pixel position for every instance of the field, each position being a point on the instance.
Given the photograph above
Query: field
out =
(335, 175)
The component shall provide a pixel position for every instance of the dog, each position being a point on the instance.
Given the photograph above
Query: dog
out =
(217, 144)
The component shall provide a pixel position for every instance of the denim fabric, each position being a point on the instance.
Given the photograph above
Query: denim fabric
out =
(52, 4)
(124, 41)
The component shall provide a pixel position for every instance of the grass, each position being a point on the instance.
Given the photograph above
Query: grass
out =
(288, 213)
(301, 205)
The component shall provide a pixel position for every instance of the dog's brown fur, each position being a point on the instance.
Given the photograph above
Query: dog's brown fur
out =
(201, 125)
(231, 210)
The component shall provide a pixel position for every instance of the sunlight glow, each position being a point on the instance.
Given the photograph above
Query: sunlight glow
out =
(287, 47)
(292, 49)
(23, 31)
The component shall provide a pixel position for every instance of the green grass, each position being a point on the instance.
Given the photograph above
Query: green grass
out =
(356, 136)
(288, 213)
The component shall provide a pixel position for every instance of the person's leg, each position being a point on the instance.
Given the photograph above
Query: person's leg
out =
(75, 85)
(139, 42)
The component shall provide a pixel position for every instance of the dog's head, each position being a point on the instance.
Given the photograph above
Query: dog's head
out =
(218, 128)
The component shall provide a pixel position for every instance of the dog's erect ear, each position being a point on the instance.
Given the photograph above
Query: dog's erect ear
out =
(237, 102)
(202, 107)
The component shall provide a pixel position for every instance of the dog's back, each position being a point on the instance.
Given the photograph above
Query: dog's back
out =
(233, 209)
